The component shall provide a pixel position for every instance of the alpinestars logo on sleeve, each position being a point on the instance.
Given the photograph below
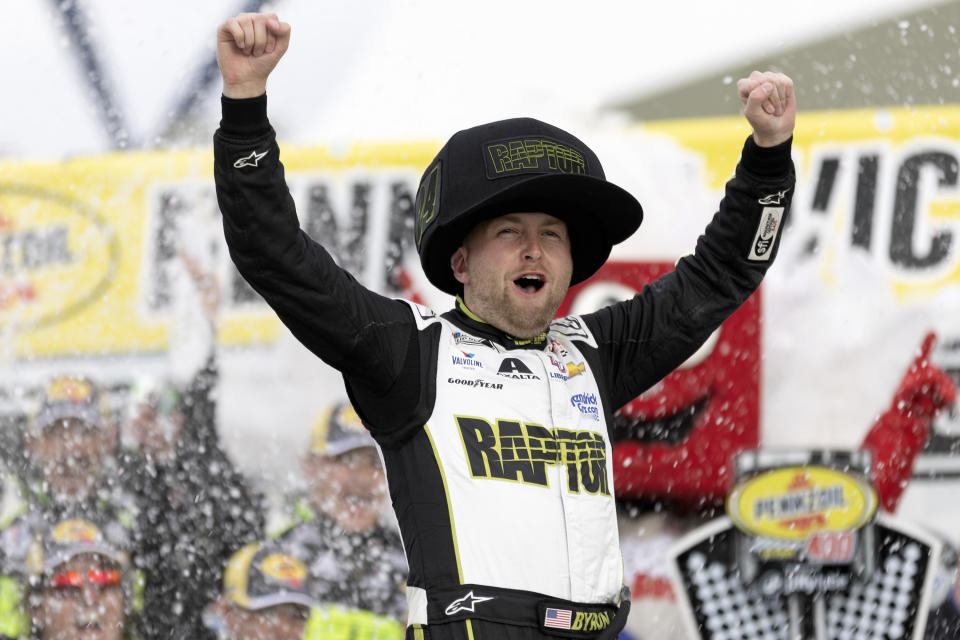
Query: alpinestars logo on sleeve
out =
(252, 160)
(466, 603)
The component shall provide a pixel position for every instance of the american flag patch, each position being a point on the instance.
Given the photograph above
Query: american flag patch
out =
(557, 618)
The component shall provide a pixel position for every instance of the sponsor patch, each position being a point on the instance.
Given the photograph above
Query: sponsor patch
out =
(466, 603)
(466, 359)
(465, 338)
(587, 405)
(572, 327)
(762, 247)
(475, 382)
(773, 198)
(252, 160)
(516, 369)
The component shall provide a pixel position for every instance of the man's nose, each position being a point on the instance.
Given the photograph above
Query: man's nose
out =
(531, 248)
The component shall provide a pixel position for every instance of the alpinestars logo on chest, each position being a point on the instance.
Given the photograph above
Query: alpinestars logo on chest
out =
(466, 603)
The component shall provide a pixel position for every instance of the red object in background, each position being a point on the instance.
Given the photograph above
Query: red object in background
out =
(900, 432)
(714, 399)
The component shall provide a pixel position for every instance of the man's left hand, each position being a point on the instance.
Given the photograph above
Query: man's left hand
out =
(769, 106)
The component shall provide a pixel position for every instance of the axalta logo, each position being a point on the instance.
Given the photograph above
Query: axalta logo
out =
(516, 369)
(522, 451)
(57, 256)
(797, 503)
(465, 359)
(586, 404)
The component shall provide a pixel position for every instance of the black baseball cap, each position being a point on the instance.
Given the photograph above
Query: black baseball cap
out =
(519, 165)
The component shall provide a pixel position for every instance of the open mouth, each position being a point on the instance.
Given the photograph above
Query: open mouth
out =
(530, 283)
(672, 429)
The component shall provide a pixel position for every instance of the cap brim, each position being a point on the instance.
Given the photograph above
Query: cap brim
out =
(598, 214)
(280, 597)
(62, 556)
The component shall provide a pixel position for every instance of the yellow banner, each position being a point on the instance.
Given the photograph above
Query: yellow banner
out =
(87, 245)
(882, 181)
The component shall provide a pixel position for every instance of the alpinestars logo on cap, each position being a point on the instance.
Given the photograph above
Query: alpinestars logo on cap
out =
(466, 603)
(252, 160)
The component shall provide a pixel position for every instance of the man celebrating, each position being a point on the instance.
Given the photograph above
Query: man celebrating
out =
(492, 417)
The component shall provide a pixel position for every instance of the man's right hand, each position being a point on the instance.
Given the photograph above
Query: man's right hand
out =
(249, 46)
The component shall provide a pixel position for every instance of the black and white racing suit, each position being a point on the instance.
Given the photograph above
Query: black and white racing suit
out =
(496, 450)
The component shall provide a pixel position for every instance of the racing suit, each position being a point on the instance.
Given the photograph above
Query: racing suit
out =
(496, 449)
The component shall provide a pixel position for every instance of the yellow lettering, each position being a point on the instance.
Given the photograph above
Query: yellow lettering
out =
(577, 621)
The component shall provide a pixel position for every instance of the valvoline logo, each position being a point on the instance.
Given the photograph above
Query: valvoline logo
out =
(586, 403)
(57, 256)
(465, 359)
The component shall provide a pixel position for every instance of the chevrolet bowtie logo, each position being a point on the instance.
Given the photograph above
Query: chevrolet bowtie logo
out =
(466, 603)
(251, 160)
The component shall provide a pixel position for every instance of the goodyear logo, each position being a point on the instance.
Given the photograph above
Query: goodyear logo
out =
(532, 155)
(75, 530)
(795, 503)
(57, 256)
(285, 569)
(521, 452)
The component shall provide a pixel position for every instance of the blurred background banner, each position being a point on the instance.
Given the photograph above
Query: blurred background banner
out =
(90, 247)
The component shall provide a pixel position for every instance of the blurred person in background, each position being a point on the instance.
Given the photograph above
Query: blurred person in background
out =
(194, 507)
(66, 469)
(77, 577)
(266, 594)
(341, 518)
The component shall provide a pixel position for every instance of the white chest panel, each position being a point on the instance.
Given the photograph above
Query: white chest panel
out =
(523, 444)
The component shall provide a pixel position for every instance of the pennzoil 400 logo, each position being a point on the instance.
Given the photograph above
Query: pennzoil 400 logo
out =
(810, 513)
(57, 256)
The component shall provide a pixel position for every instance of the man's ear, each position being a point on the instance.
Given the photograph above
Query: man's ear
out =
(458, 262)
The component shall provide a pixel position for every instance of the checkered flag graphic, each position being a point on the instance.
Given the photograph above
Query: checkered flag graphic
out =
(892, 605)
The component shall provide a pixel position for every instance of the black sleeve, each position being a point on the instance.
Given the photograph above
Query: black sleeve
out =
(362, 334)
(643, 339)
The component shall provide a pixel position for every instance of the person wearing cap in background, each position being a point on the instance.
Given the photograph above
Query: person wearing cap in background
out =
(354, 546)
(270, 594)
(67, 467)
(492, 418)
(78, 578)
(266, 594)
(187, 510)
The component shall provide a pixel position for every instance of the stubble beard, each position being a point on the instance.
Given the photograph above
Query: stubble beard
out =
(502, 311)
